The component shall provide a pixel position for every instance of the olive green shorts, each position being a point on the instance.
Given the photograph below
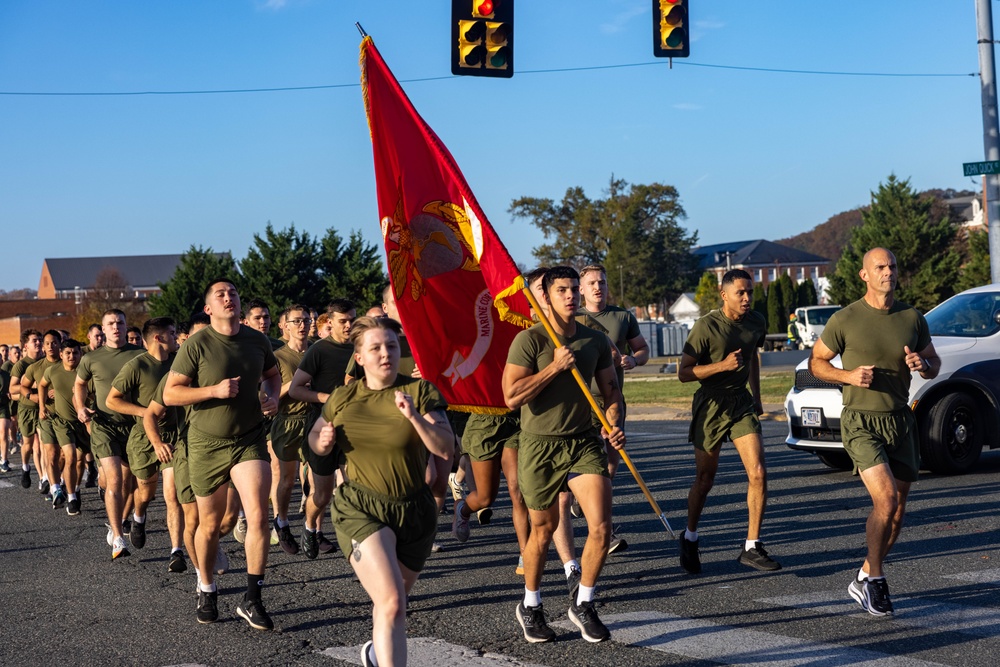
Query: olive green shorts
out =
(141, 454)
(486, 436)
(46, 433)
(545, 464)
(210, 459)
(27, 422)
(288, 437)
(108, 438)
(873, 438)
(182, 475)
(5, 410)
(71, 433)
(358, 513)
(718, 417)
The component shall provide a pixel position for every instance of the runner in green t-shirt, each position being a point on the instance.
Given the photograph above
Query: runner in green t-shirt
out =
(27, 414)
(721, 354)
(559, 446)
(228, 375)
(70, 434)
(13, 356)
(288, 431)
(50, 453)
(322, 370)
(109, 431)
(4, 413)
(131, 392)
(881, 342)
(385, 424)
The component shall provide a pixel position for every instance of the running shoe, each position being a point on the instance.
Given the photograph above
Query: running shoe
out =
(275, 540)
(617, 544)
(119, 549)
(325, 545)
(137, 536)
(208, 607)
(460, 524)
(4, 466)
(872, 595)
(73, 507)
(368, 654)
(689, 556)
(58, 498)
(575, 510)
(520, 566)
(25, 479)
(584, 616)
(532, 621)
(484, 515)
(240, 532)
(43, 487)
(458, 489)
(310, 544)
(573, 583)
(757, 558)
(221, 561)
(111, 536)
(252, 611)
(177, 562)
(436, 547)
(91, 476)
(127, 527)
(285, 539)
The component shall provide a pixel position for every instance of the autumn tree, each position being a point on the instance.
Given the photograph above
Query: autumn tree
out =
(707, 294)
(111, 290)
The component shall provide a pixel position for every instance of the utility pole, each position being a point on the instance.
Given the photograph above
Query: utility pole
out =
(991, 129)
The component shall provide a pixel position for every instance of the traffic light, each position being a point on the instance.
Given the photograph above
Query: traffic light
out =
(671, 35)
(482, 41)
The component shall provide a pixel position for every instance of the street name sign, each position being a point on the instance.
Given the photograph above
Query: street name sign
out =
(980, 168)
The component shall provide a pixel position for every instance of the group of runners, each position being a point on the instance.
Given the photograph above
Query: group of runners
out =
(229, 420)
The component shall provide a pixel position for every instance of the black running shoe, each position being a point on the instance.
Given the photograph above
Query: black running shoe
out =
(25, 479)
(177, 562)
(689, 556)
(484, 515)
(91, 476)
(573, 583)
(584, 616)
(137, 534)
(73, 507)
(872, 595)
(325, 545)
(310, 544)
(532, 620)
(617, 544)
(43, 487)
(757, 558)
(286, 540)
(252, 611)
(208, 607)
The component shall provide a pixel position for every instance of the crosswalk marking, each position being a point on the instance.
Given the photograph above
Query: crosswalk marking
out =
(704, 640)
(911, 611)
(429, 652)
(981, 577)
(4, 484)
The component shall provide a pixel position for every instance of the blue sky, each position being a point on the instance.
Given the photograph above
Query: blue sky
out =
(753, 154)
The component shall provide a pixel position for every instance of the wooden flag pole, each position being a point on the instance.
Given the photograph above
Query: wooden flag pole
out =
(600, 413)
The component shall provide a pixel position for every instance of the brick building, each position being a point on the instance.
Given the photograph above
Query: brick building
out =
(764, 261)
(73, 277)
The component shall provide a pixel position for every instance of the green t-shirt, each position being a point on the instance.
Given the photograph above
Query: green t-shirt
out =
(62, 381)
(326, 362)
(208, 358)
(288, 361)
(863, 336)
(4, 389)
(714, 337)
(276, 343)
(176, 417)
(137, 381)
(7, 365)
(559, 409)
(407, 364)
(34, 373)
(620, 325)
(102, 366)
(383, 451)
(18, 371)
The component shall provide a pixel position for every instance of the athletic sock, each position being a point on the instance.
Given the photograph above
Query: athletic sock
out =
(174, 550)
(138, 519)
(206, 588)
(254, 583)
(72, 496)
(585, 594)
(690, 536)
(532, 598)
(570, 565)
(282, 523)
(25, 466)
(750, 544)
(862, 575)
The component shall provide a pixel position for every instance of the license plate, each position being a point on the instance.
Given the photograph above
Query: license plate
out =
(812, 416)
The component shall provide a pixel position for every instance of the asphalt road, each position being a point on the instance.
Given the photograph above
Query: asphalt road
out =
(65, 602)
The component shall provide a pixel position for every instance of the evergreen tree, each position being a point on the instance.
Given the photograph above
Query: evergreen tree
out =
(183, 294)
(759, 302)
(707, 295)
(352, 270)
(789, 296)
(976, 270)
(775, 301)
(807, 294)
(281, 268)
(900, 221)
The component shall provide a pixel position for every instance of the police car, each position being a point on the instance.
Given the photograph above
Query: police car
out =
(958, 412)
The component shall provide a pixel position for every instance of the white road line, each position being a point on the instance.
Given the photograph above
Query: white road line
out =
(981, 577)
(4, 484)
(911, 611)
(704, 640)
(429, 652)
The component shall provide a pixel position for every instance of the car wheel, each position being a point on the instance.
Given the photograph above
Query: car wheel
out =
(836, 460)
(953, 434)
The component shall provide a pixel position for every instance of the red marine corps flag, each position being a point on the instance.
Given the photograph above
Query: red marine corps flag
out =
(457, 289)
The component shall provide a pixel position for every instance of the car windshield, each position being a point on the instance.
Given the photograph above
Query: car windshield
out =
(966, 316)
(820, 315)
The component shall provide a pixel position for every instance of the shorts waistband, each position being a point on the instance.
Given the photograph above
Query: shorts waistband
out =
(879, 413)
(398, 500)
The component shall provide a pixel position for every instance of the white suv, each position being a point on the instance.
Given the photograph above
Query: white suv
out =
(956, 411)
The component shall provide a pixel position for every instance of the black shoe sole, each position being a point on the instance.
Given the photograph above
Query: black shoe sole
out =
(246, 617)
(484, 516)
(758, 566)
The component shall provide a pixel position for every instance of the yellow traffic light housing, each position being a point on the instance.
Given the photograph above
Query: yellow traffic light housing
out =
(482, 38)
(671, 29)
